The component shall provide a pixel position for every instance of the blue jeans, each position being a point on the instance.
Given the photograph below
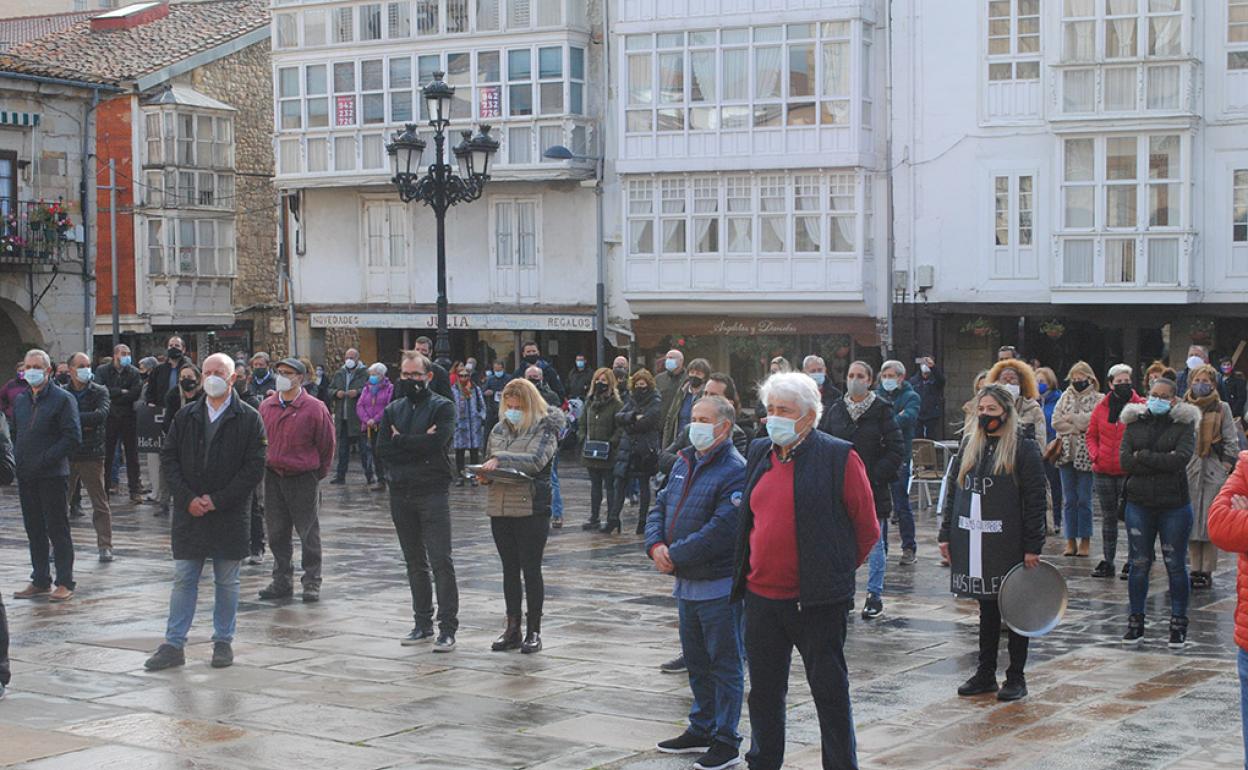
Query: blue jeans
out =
(1076, 502)
(186, 574)
(1243, 700)
(901, 506)
(556, 497)
(1174, 526)
(876, 561)
(712, 640)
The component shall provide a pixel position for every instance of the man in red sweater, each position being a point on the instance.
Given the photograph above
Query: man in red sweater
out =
(808, 522)
(301, 448)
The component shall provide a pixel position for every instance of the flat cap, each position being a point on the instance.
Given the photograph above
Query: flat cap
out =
(295, 364)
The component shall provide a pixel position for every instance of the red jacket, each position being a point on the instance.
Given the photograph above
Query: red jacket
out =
(1104, 438)
(301, 435)
(1228, 530)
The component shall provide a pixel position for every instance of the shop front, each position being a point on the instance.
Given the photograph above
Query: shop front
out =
(486, 336)
(744, 345)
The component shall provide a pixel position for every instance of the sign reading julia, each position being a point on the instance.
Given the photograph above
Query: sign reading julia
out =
(496, 321)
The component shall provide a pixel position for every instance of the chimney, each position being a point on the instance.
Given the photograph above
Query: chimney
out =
(130, 16)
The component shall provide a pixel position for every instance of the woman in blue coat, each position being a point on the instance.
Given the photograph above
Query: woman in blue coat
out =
(469, 421)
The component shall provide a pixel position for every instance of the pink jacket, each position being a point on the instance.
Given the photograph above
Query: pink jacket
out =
(373, 402)
(301, 435)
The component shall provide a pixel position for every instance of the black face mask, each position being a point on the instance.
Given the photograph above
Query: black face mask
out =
(990, 423)
(641, 390)
(260, 374)
(63, 378)
(1123, 391)
(174, 353)
(415, 390)
(531, 359)
(600, 387)
(695, 382)
(537, 384)
(189, 385)
(620, 374)
(1081, 385)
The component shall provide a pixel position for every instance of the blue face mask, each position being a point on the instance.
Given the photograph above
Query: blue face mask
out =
(1044, 388)
(35, 377)
(125, 360)
(781, 430)
(373, 379)
(580, 364)
(514, 416)
(889, 385)
(819, 378)
(1158, 406)
(84, 374)
(670, 364)
(701, 435)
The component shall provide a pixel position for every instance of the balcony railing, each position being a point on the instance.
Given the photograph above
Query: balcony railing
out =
(33, 232)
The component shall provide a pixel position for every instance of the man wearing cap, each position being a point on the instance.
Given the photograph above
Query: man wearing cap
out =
(301, 449)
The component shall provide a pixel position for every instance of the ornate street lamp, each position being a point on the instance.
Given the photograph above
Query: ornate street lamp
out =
(439, 187)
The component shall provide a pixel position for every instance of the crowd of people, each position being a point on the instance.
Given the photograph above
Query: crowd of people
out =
(762, 520)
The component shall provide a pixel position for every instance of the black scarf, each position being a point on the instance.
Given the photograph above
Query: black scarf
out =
(1115, 406)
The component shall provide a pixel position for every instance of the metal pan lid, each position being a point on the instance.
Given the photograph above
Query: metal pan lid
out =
(1033, 601)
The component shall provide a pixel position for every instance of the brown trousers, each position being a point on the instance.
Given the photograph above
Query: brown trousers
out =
(91, 473)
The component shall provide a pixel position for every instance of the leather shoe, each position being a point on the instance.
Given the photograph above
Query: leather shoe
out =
(532, 643)
(979, 684)
(274, 591)
(222, 655)
(1013, 689)
(31, 591)
(60, 594)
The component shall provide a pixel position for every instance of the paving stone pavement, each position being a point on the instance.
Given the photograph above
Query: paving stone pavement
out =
(328, 685)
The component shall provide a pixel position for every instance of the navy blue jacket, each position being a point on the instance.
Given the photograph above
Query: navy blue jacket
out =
(931, 392)
(549, 376)
(827, 547)
(47, 432)
(695, 515)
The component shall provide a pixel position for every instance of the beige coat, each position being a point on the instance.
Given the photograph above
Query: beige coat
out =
(530, 452)
(1071, 417)
(1206, 475)
(1031, 413)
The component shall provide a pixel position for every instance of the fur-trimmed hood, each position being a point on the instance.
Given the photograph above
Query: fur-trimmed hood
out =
(1182, 412)
(1026, 377)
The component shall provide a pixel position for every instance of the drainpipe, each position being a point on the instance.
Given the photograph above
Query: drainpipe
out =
(88, 268)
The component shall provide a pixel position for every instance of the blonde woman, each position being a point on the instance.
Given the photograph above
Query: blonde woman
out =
(1071, 418)
(997, 486)
(1217, 446)
(525, 439)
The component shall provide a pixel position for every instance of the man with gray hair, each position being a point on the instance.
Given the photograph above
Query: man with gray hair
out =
(815, 367)
(691, 534)
(213, 457)
(800, 484)
(48, 416)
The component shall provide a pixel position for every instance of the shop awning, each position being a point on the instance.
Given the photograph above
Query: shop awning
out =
(24, 119)
(650, 329)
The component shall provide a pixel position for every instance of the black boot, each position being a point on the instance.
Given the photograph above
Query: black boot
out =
(592, 524)
(510, 638)
(982, 682)
(1015, 688)
(533, 637)
(1178, 632)
(612, 525)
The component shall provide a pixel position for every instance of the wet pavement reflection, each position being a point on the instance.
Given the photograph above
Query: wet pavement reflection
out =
(328, 685)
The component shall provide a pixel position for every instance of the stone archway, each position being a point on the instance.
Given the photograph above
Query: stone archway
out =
(18, 333)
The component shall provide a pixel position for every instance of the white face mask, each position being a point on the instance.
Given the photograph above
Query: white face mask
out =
(1195, 361)
(1014, 389)
(701, 435)
(284, 384)
(350, 363)
(215, 386)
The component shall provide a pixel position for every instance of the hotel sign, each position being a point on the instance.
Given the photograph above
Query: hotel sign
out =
(471, 321)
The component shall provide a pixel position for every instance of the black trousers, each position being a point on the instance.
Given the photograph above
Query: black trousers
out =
(257, 521)
(772, 629)
(125, 429)
(990, 641)
(521, 541)
(423, 523)
(930, 429)
(45, 513)
(5, 674)
(473, 454)
(621, 494)
(601, 483)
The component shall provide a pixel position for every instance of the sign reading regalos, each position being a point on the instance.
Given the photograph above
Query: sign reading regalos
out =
(481, 321)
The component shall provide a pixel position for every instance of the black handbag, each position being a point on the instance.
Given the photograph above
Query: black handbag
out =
(596, 450)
